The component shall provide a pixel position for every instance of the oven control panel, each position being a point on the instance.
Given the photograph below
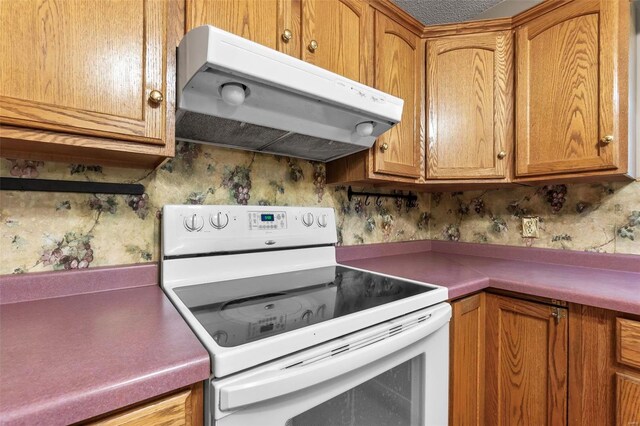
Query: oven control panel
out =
(205, 229)
(271, 220)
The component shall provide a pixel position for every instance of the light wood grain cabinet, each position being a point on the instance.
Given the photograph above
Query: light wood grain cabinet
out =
(332, 34)
(469, 106)
(183, 408)
(627, 400)
(628, 380)
(336, 35)
(542, 361)
(272, 23)
(399, 70)
(81, 72)
(526, 369)
(571, 90)
(398, 154)
(467, 363)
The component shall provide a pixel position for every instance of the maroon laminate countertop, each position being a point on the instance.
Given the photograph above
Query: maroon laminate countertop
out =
(66, 359)
(80, 344)
(443, 264)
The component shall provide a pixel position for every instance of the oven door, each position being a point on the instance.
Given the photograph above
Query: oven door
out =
(395, 373)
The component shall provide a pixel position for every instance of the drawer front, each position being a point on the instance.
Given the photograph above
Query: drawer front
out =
(628, 342)
(183, 408)
(627, 400)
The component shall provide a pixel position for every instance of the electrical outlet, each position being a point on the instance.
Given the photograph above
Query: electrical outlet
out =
(530, 227)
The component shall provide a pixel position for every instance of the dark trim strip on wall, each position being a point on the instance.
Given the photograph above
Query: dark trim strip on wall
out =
(49, 185)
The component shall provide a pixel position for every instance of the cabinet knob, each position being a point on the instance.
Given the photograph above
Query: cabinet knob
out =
(607, 139)
(313, 45)
(155, 97)
(502, 154)
(287, 35)
(384, 147)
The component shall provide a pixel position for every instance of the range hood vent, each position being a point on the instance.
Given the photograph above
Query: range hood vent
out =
(236, 93)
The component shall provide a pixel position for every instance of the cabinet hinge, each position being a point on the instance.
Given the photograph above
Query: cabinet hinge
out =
(558, 314)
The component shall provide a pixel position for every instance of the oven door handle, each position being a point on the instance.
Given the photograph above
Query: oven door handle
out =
(282, 381)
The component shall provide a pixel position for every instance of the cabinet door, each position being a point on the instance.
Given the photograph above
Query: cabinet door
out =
(466, 405)
(469, 106)
(526, 363)
(341, 30)
(84, 67)
(628, 400)
(399, 70)
(263, 21)
(569, 94)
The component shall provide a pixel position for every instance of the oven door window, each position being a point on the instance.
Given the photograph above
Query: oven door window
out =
(391, 399)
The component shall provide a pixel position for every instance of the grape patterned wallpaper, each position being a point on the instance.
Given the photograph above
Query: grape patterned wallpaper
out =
(54, 231)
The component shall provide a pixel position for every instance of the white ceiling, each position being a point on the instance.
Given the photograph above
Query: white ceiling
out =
(431, 12)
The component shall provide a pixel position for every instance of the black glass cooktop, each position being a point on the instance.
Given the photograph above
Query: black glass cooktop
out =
(245, 310)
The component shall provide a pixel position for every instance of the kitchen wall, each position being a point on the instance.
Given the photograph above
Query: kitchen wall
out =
(593, 217)
(45, 231)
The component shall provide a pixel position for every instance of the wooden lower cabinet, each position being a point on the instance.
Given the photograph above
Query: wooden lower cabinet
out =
(534, 361)
(467, 379)
(183, 408)
(627, 400)
(526, 362)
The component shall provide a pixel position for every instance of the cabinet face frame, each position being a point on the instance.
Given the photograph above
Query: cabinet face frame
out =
(611, 93)
(499, 112)
(148, 127)
(390, 161)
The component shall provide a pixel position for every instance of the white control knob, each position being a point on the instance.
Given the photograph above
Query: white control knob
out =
(219, 220)
(307, 219)
(193, 223)
(322, 220)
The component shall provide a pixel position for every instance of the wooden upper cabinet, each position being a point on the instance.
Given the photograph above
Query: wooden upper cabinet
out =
(263, 21)
(571, 90)
(469, 106)
(399, 71)
(85, 68)
(527, 357)
(336, 36)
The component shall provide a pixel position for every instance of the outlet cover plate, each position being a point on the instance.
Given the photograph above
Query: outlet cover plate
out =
(530, 227)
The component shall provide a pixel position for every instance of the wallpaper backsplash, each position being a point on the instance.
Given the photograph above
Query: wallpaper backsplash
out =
(45, 231)
(50, 231)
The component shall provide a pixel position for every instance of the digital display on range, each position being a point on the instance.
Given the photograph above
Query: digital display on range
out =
(266, 217)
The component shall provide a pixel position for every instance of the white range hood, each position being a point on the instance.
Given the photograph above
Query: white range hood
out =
(239, 94)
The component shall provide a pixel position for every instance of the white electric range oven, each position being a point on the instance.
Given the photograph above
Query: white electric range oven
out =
(294, 337)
